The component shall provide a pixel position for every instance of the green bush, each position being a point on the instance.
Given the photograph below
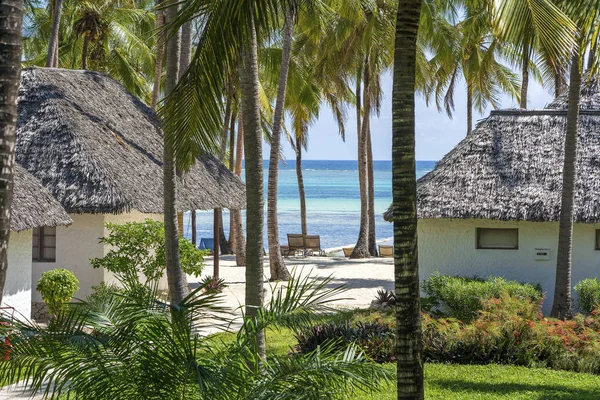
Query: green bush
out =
(57, 287)
(461, 297)
(588, 293)
(138, 250)
(375, 338)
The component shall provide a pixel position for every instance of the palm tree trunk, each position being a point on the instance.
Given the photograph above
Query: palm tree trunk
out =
(301, 192)
(223, 243)
(160, 45)
(52, 57)
(559, 84)
(11, 20)
(178, 287)
(592, 55)
(277, 265)
(254, 184)
(85, 51)
(186, 47)
(372, 232)
(361, 249)
(404, 191)
(561, 307)
(194, 228)
(236, 215)
(232, 169)
(525, 74)
(469, 108)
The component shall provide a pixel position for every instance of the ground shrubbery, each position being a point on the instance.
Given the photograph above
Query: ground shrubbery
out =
(588, 293)
(462, 297)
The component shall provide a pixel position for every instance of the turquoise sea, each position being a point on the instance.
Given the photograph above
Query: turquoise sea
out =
(332, 201)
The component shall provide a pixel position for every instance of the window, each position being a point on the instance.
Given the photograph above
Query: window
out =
(493, 238)
(44, 244)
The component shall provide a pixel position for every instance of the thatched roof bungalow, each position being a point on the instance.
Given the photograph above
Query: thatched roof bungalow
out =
(99, 151)
(491, 205)
(32, 207)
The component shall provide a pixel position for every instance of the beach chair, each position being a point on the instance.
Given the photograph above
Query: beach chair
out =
(295, 244)
(348, 251)
(285, 251)
(386, 250)
(312, 244)
(207, 244)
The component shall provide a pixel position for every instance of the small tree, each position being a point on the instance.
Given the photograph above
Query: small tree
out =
(57, 287)
(138, 251)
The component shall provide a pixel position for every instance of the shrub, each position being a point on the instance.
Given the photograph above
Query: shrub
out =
(588, 293)
(376, 339)
(212, 284)
(57, 287)
(138, 249)
(462, 297)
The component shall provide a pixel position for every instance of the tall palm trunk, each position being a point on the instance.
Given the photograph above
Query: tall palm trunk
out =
(361, 249)
(469, 108)
(232, 168)
(372, 232)
(301, 192)
(254, 183)
(525, 74)
(178, 287)
(186, 47)
(85, 51)
(11, 22)
(277, 265)
(236, 215)
(194, 230)
(223, 243)
(404, 192)
(160, 46)
(561, 307)
(52, 57)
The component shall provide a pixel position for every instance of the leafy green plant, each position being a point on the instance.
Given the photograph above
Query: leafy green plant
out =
(375, 338)
(588, 293)
(210, 283)
(57, 287)
(462, 297)
(129, 349)
(138, 250)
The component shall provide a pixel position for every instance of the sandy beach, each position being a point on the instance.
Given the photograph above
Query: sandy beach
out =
(362, 278)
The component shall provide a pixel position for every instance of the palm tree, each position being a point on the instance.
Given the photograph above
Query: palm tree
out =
(404, 191)
(160, 46)
(52, 57)
(176, 278)
(250, 104)
(277, 265)
(11, 21)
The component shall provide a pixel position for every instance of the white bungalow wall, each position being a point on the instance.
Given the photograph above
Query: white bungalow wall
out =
(77, 243)
(448, 246)
(17, 288)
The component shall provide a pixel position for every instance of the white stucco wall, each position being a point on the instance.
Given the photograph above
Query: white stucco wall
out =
(76, 244)
(17, 288)
(448, 246)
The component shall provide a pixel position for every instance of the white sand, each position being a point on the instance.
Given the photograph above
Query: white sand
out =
(363, 278)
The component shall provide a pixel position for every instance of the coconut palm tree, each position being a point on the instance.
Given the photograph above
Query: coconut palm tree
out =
(52, 56)
(11, 20)
(277, 265)
(404, 192)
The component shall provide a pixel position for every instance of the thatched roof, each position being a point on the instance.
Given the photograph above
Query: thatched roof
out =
(98, 149)
(32, 205)
(510, 167)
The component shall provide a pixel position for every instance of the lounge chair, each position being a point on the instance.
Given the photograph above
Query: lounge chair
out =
(348, 251)
(313, 245)
(295, 243)
(207, 244)
(285, 251)
(386, 250)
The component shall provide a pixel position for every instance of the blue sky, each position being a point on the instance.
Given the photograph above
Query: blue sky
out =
(436, 133)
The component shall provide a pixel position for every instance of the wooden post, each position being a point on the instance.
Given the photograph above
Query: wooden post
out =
(217, 251)
(194, 239)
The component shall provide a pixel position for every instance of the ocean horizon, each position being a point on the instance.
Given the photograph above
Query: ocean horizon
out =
(332, 201)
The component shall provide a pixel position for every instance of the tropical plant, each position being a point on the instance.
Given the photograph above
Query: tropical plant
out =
(11, 20)
(57, 287)
(115, 37)
(131, 350)
(588, 293)
(404, 192)
(137, 250)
